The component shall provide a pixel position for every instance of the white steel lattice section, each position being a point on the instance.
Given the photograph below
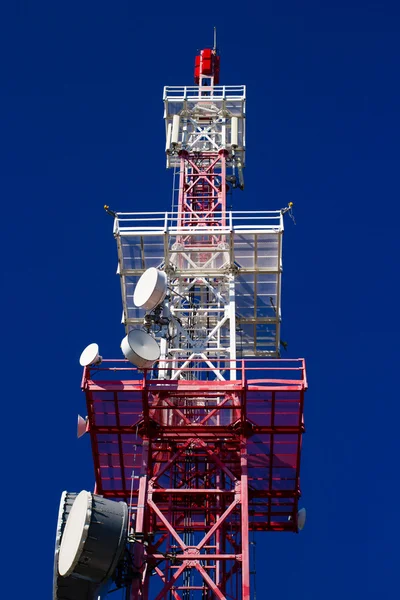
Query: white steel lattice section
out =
(246, 255)
(205, 121)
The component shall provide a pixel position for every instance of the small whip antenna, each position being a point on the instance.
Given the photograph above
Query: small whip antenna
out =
(215, 39)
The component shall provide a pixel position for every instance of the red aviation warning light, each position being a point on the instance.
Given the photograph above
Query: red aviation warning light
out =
(196, 434)
(206, 65)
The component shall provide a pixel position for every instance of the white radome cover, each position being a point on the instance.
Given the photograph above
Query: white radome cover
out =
(90, 355)
(140, 348)
(301, 518)
(75, 533)
(151, 289)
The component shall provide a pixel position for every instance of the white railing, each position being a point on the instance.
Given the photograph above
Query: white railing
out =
(186, 92)
(167, 222)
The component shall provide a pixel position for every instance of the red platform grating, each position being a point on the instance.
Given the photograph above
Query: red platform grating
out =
(264, 413)
(200, 463)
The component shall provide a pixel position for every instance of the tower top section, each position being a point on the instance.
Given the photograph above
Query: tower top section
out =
(206, 117)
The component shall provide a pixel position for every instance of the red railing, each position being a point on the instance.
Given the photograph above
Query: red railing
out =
(249, 371)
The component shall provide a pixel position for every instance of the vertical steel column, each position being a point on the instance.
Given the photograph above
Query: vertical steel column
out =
(244, 493)
(232, 327)
(140, 525)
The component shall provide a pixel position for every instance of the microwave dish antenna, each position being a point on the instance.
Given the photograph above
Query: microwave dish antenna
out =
(94, 538)
(90, 356)
(301, 518)
(68, 587)
(140, 348)
(151, 289)
(172, 329)
(81, 426)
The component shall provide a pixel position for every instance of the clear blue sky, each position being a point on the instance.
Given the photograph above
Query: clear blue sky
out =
(81, 126)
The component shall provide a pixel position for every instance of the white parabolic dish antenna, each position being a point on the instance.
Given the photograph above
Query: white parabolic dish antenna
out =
(75, 533)
(140, 348)
(301, 518)
(93, 540)
(90, 356)
(151, 289)
(81, 426)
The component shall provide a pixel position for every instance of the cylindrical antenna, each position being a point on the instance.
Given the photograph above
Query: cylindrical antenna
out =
(234, 132)
(175, 130)
(215, 39)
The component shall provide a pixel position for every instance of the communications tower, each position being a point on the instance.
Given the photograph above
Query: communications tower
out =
(196, 433)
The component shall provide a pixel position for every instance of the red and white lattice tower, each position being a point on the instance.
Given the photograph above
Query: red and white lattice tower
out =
(204, 447)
